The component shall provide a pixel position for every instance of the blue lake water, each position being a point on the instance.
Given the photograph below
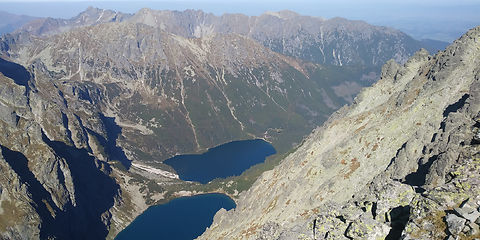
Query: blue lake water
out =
(226, 160)
(183, 218)
(188, 217)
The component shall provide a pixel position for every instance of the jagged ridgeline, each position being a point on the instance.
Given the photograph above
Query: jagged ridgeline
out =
(402, 162)
(335, 41)
(80, 99)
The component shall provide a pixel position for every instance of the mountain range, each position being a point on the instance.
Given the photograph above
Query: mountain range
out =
(88, 103)
(335, 41)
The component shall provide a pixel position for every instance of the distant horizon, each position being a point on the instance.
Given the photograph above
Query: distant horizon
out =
(438, 20)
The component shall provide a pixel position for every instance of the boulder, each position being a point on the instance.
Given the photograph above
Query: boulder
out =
(467, 212)
(471, 229)
(8, 115)
(367, 228)
(452, 238)
(455, 224)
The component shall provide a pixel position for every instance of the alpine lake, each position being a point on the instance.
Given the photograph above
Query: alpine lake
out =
(186, 218)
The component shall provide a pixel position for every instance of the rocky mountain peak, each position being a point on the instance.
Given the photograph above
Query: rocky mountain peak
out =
(92, 11)
(91, 16)
(145, 16)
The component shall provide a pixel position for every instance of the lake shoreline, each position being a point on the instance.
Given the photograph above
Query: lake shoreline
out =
(169, 218)
(223, 161)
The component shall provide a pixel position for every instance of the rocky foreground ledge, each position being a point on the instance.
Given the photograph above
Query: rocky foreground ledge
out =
(402, 162)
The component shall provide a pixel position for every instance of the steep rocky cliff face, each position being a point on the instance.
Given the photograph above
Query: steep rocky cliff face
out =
(402, 161)
(49, 188)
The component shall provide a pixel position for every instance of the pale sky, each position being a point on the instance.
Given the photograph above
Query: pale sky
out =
(436, 19)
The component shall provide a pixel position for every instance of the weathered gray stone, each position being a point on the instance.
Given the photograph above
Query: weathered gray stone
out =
(437, 172)
(468, 213)
(11, 93)
(472, 230)
(367, 228)
(452, 238)
(8, 115)
(455, 224)
(476, 135)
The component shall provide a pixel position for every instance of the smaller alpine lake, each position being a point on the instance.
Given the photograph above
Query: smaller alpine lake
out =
(183, 218)
(229, 159)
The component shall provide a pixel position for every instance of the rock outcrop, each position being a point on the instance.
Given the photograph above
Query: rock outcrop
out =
(401, 162)
(49, 188)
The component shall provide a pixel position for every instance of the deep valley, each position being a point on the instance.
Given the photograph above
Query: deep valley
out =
(316, 128)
